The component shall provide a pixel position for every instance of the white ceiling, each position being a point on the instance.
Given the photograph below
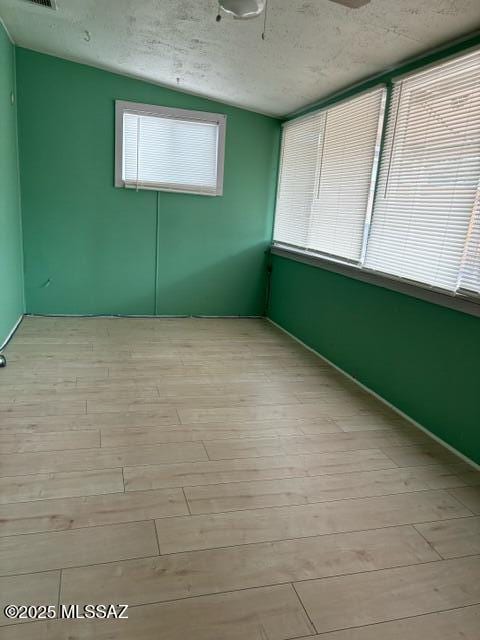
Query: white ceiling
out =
(312, 47)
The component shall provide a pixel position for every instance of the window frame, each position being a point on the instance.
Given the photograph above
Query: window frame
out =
(460, 299)
(138, 108)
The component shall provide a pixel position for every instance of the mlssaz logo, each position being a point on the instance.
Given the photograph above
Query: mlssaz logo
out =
(93, 611)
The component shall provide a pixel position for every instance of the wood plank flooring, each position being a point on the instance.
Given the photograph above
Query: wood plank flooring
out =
(225, 483)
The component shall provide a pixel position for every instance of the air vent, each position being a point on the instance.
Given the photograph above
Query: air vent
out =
(48, 4)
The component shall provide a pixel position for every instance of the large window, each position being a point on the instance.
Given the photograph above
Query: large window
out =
(326, 178)
(420, 220)
(429, 176)
(169, 149)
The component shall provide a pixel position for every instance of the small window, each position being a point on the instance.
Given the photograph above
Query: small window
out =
(169, 149)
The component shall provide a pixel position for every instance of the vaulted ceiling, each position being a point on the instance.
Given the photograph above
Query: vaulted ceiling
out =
(312, 48)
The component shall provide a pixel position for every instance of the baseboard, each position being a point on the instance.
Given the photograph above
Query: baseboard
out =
(126, 315)
(10, 335)
(416, 424)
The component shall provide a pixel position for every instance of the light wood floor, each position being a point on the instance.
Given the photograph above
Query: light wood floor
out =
(227, 485)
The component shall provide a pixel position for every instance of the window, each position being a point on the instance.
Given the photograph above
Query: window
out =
(169, 149)
(420, 220)
(469, 277)
(326, 188)
(429, 178)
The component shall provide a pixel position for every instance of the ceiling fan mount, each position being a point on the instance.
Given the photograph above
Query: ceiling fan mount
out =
(248, 9)
(241, 9)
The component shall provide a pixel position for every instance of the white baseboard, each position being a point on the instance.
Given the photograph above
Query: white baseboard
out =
(10, 335)
(378, 397)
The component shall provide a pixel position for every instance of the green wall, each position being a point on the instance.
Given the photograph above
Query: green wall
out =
(11, 260)
(91, 248)
(421, 357)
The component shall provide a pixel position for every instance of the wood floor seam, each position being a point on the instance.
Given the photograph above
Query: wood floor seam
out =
(376, 624)
(298, 581)
(88, 526)
(462, 503)
(84, 495)
(429, 543)
(173, 553)
(186, 501)
(167, 517)
(303, 607)
(156, 537)
(383, 495)
(59, 589)
(205, 449)
(269, 584)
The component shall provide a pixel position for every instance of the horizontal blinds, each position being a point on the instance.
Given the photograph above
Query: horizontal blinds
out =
(296, 187)
(166, 152)
(325, 184)
(429, 177)
(469, 278)
(349, 153)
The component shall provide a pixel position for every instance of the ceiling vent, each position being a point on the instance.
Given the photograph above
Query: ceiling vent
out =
(48, 4)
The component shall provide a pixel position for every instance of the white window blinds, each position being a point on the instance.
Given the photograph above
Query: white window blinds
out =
(169, 149)
(428, 183)
(469, 278)
(296, 188)
(326, 177)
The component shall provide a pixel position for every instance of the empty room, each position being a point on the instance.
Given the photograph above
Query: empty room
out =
(239, 320)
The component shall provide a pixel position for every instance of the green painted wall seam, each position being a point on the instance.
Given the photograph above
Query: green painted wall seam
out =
(24, 306)
(157, 231)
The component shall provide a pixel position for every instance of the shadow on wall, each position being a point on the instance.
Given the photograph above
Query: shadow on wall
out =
(232, 285)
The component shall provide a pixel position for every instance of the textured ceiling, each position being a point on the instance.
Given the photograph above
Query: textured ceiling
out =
(312, 48)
